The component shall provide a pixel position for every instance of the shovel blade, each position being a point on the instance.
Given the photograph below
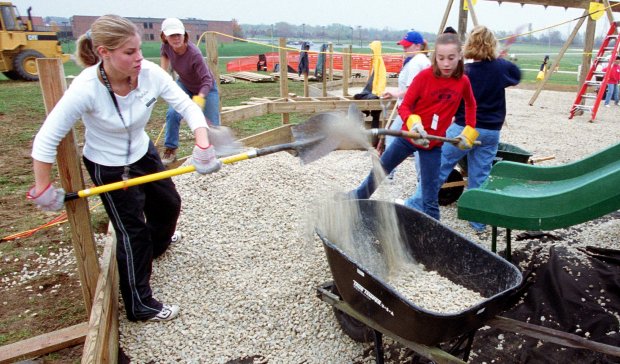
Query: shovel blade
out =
(332, 130)
(224, 141)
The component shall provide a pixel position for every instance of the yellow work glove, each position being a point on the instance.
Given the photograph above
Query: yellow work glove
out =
(468, 137)
(414, 124)
(199, 100)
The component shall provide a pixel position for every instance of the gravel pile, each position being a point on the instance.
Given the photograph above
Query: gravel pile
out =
(246, 270)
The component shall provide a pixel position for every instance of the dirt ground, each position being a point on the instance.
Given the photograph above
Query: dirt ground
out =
(39, 287)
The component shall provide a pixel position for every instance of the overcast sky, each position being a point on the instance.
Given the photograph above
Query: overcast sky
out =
(424, 15)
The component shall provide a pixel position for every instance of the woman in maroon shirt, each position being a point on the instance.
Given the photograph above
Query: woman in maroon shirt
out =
(195, 78)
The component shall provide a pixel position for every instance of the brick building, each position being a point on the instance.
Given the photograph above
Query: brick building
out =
(151, 27)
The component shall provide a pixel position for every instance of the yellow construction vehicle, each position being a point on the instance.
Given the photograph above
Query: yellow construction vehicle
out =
(21, 45)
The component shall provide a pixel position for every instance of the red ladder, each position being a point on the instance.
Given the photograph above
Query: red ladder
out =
(597, 79)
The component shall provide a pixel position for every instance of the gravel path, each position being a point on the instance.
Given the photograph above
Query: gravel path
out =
(246, 271)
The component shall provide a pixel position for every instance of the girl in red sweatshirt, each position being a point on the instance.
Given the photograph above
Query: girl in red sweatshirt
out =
(428, 109)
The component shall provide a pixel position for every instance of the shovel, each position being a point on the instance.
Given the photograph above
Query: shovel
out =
(308, 147)
(349, 128)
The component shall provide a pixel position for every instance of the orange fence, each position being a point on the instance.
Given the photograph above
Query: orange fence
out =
(358, 62)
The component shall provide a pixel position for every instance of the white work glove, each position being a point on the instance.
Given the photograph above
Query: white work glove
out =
(415, 125)
(204, 160)
(50, 199)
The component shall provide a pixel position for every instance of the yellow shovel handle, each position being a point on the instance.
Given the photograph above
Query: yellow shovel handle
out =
(149, 178)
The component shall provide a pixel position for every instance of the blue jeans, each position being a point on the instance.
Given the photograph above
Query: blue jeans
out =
(397, 152)
(173, 118)
(479, 162)
(612, 90)
(397, 124)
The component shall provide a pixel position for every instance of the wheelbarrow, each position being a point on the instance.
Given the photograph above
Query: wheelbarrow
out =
(456, 181)
(365, 304)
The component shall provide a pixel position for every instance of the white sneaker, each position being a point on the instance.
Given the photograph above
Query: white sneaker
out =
(606, 105)
(399, 201)
(176, 237)
(167, 313)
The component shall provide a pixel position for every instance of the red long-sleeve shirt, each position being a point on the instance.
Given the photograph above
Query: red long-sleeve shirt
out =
(429, 95)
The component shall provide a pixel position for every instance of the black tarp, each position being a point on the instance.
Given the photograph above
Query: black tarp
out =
(572, 290)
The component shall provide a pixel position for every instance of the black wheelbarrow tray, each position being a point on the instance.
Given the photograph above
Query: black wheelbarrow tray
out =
(438, 248)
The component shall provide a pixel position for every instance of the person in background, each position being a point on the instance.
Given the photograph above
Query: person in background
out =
(428, 108)
(195, 78)
(114, 97)
(416, 60)
(489, 77)
(612, 81)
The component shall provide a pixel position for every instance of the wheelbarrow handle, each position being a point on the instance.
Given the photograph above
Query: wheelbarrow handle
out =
(414, 135)
(187, 169)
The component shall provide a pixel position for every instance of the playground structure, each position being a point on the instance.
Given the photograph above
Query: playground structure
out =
(526, 197)
(99, 283)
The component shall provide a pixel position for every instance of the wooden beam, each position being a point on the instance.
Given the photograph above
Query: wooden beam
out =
(588, 46)
(462, 26)
(242, 113)
(212, 59)
(44, 344)
(314, 106)
(553, 336)
(53, 85)
(275, 136)
(558, 58)
(331, 62)
(609, 12)
(446, 14)
(346, 71)
(474, 17)
(283, 76)
(581, 4)
(101, 344)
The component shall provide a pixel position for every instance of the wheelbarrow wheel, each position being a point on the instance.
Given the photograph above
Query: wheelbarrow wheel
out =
(449, 195)
(355, 329)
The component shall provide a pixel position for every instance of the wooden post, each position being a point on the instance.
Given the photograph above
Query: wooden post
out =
(212, 59)
(471, 10)
(53, 85)
(306, 86)
(610, 14)
(462, 28)
(331, 61)
(350, 63)
(559, 57)
(283, 76)
(446, 14)
(346, 71)
(325, 72)
(588, 46)
(101, 344)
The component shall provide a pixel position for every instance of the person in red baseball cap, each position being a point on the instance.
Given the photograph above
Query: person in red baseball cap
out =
(416, 60)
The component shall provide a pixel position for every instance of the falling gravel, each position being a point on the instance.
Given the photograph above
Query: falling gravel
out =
(246, 272)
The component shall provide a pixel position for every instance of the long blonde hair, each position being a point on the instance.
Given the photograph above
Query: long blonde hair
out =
(481, 44)
(109, 31)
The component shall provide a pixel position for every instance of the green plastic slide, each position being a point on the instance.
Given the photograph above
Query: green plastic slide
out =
(526, 197)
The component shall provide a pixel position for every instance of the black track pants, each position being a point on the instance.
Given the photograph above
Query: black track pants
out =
(144, 218)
